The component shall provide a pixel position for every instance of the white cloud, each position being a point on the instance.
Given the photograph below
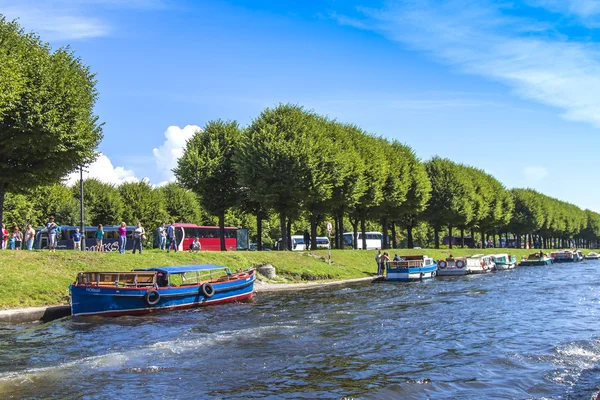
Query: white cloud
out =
(167, 154)
(534, 174)
(480, 38)
(103, 170)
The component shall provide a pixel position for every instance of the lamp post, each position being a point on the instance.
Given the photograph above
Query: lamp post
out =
(81, 227)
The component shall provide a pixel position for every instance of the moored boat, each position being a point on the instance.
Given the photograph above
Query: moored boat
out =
(566, 256)
(592, 256)
(536, 259)
(480, 264)
(452, 266)
(413, 268)
(157, 289)
(504, 261)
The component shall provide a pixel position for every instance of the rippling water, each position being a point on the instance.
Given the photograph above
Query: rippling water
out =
(531, 333)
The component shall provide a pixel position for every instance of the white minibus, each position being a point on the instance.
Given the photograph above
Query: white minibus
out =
(373, 240)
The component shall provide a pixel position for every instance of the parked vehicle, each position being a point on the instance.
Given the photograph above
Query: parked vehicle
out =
(322, 242)
(374, 240)
(457, 241)
(149, 290)
(64, 240)
(209, 237)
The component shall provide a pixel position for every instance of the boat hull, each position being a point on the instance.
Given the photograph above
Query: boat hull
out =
(504, 267)
(534, 263)
(111, 302)
(452, 271)
(411, 274)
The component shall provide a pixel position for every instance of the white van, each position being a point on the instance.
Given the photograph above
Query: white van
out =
(374, 240)
(322, 242)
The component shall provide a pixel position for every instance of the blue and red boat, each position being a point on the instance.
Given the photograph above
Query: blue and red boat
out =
(149, 290)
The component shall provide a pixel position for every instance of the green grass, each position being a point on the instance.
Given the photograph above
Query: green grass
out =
(37, 278)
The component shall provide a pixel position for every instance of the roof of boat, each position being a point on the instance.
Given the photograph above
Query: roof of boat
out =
(181, 269)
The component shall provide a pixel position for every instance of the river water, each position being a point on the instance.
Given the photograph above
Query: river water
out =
(530, 333)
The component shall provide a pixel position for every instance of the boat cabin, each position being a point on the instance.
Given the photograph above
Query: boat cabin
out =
(480, 260)
(412, 262)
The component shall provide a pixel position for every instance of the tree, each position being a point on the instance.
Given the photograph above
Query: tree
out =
(142, 203)
(55, 200)
(181, 205)
(451, 196)
(102, 202)
(47, 124)
(206, 168)
(417, 197)
(274, 161)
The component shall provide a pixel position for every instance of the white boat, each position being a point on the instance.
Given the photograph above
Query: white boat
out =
(480, 264)
(452, 266)
(592, 256)
(504, 261)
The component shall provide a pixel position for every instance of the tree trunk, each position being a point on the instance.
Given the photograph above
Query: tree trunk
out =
(393, 235)
(473, 237)
(462, 237)
(384, 223)
(259, 231)
(436, 236)
(336, 226)
(284, 238)
(288, 230)
(222, 230)
(341, 227)
(363, 230)
(482, 238)
(354, 223)
(409, 236)
(450, 236)
(313, 232)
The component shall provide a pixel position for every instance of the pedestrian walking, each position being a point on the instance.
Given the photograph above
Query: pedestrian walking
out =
(122, 237)
(171, 237)
(4, 237)
(77, 240)
(52, 229)
(29, 236)
(139, 234)
(18, 235)
(306, 240)
(99, 238)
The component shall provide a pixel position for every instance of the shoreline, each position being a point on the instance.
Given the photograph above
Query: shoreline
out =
(50, 313)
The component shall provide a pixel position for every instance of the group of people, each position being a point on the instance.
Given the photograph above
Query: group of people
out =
(383, 259)
(166, 238)
(15, 240)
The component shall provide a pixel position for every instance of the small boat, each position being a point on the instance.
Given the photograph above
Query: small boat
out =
(149, 290)
(536, 259)
(566, 256)
(452, 266)
(413, 268)
(504, 261)
(480, 264)
(592, 256)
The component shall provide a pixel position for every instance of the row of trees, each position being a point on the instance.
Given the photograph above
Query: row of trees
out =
(297, 164)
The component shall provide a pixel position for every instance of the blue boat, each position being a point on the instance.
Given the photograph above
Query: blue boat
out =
(149, 290)
(412, 268)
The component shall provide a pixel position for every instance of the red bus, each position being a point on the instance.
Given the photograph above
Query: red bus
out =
(209, 237)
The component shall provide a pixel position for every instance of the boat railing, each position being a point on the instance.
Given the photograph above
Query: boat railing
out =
(406, 264)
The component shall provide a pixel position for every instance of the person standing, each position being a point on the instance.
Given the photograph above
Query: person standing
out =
(52, 231)
(29, 236)
(18, 235)
(99, 238)
(138, 235)
(171, 237)
(4, 237)
(383, 262)
(76, 239)
(378, 261)
(161, 234)
(122, 237)
(306, 240)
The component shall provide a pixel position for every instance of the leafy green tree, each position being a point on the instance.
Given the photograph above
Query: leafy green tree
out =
(274, 161)
(417, 197)
(19, 210)
(143, 203)
(528, 213)
(47, 122)
(206, 168)
(55, 200)
(181, 205)
(102, 202)
(451, 196)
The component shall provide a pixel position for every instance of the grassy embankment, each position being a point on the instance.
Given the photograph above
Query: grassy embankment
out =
(36, 278)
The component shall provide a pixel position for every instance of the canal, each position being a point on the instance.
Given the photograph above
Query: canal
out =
(530, 333)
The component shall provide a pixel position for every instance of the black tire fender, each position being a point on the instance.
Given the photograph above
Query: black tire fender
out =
(207, 290)
(152, 297)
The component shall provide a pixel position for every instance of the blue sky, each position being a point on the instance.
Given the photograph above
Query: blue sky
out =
(512, 87)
